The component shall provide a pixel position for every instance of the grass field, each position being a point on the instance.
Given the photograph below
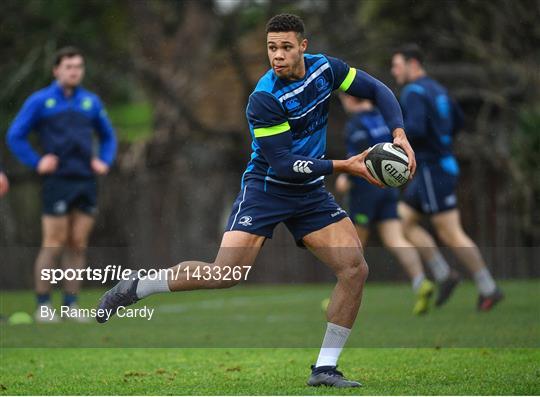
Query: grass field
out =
(264, 338)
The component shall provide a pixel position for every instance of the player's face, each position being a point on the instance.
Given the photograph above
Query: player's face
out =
(286, 54)
(399, 69)
(70, 71)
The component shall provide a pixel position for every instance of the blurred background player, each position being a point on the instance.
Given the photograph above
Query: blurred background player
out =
(370, 205)
(66, 116)
(431, 118)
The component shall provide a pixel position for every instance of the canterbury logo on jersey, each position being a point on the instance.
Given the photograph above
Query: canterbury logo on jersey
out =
(302, 166)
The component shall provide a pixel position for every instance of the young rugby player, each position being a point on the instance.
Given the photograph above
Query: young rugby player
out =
(287, 115)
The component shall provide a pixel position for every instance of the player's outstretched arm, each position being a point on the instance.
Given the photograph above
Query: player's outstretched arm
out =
(356, 166)
(362, 85)
(400, 139)
(277, 150)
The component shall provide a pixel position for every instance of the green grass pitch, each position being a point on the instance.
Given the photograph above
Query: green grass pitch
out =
(261, 339)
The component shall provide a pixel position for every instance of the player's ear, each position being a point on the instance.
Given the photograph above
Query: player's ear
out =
(412, 63)
(303, 45)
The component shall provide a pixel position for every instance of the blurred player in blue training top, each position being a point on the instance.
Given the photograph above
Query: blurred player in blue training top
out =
(370, 206)
(287, 116)
(431, 119)
(66, 116)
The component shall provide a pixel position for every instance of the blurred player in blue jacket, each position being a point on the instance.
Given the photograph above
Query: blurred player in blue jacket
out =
(370, 206)
(65, 117)
(431, 118)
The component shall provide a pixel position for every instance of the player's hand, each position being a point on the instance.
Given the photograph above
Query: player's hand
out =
(400, 139)
(99, 167)
(4, 184)
(47, 164)
(356, 166)
(343, 184)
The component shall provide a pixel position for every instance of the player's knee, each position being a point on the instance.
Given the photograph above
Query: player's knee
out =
(356, 272)
(397, 244)
(77, 243)
(47, 256)
(392, 241)
(458, 239)
(222, 279)
(57, 240)
(360, 271)
(451, 237)
(221, 283)
(364, 271)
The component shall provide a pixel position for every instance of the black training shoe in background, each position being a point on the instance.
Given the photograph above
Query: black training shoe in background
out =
(446, 288)
(486, 303)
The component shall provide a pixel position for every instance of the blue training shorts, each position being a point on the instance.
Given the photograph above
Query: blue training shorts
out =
(62, 194)
(371, 205)
(259, 207)
(433, 190)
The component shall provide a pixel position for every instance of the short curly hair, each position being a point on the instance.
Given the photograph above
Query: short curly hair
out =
(66, 52)
(286, 23)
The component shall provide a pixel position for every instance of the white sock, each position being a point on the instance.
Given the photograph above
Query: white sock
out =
(332, 345)
(152, 286)
(417, 281)
(439, 267)
(484, 282)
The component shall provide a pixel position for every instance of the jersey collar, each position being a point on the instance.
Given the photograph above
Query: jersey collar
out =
(59, 91)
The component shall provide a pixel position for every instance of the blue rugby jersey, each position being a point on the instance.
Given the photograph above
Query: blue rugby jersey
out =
(278, 105)
(431, 119)
(363, 130)
(66, 127)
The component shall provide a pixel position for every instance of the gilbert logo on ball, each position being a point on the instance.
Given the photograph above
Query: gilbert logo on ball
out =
(388, 164)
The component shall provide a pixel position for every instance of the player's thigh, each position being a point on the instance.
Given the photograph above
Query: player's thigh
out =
(413, 194)
(81, 225)
(363, 234)
(408, 214)
(55, 230)
(238, 249)
(449, 228)
(391, 233)
(338, 246)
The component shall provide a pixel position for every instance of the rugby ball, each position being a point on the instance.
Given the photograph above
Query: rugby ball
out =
(388, 164)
